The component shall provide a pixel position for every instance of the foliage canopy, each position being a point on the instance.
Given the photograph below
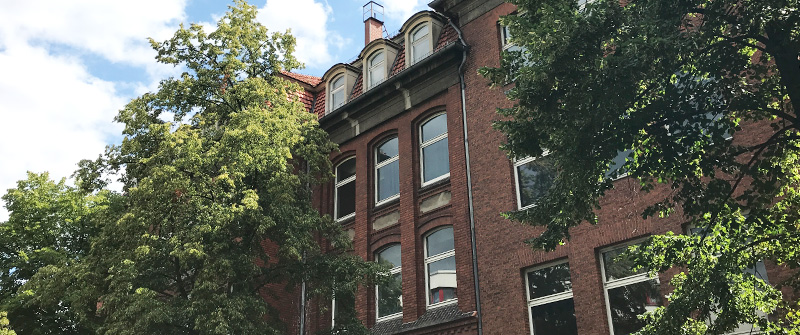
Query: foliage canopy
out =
(215, 224)
(667, 83)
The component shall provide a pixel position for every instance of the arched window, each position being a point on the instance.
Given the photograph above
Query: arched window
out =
(421, 45)
(389, 297)
(337, 92)
(440, 266)
(387, 171)
(434, 155)
(376, 72)
(345, 190)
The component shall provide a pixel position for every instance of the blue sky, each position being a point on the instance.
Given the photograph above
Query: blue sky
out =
(67, 67)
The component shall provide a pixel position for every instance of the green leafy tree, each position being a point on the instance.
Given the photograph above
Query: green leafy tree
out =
(5, 328)
(215, 227)
(50, 226)
(666, 83)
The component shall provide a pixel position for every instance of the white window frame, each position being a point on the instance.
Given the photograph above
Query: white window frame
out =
(433, 259)
(620, 282)
(333, 90)
(336, 193)
(382, 164)
(505, 35)
(517, 164)
(423, 145)
(422, 39)
(395, 270)
(548, 298)
(372, 67)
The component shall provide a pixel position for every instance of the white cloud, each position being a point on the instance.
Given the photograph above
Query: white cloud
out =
(53, 111)
(398, 11)
(308, 21)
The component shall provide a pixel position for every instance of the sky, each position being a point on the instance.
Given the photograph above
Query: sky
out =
(67, 67)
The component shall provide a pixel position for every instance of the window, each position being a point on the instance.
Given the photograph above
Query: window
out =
(505, 40)
(387, 172)
(628, 293)
(534, 176)
(550, 306)
(337, 92)
(759, 271)
(434, 156)
(389, 297)
(440, 266)
(345, 193)
(377, 69)
(420, 43)
(343, 308)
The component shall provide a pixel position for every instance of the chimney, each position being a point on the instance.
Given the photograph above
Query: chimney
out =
(373, 27)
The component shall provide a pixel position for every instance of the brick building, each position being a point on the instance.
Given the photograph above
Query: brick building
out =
(420, 184)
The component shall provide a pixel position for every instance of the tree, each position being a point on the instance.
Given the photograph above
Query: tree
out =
(5, 329)
(215, 226)
(50, 225)
(666, 84)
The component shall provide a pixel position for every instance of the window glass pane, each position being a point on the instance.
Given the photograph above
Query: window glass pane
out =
(440, 241)
(387, 150)
(419, 33)
(346, 170)
(388, 180)
(630, 301)
(338, 98)
(436, 160)
(550, 280)
(554, 318)
(434, 127)
(618, 267)
(346, 199)
(390, 297)
(535, 178)
(344, 308)
(447, 265)
(421, 49)
(377, 75)
(442, 294)
(390, 255)
(338, 82)
(376, 58)
(615, 168)
(442, 280)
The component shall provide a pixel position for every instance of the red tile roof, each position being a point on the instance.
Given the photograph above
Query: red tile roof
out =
(307, 98)
(315, 103)
(308, 79)
(319, 105)
(358, 88)
(400, 62)
(448, 35)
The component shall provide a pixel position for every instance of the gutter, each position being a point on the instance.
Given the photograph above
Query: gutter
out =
(473, 240)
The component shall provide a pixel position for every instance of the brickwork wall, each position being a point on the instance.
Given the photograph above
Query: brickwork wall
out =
(412, 225)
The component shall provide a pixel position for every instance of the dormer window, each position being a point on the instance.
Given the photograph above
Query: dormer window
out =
(420, 43)
(337, 92)
(376, 73)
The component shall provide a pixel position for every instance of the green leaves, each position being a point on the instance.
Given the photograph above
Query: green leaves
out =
(672, 81)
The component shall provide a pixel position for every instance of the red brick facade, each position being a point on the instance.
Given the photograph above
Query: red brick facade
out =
(502, 256)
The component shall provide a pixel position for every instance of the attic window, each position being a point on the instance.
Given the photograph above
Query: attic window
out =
(420, 43)
(337, 92)
(377, 69)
